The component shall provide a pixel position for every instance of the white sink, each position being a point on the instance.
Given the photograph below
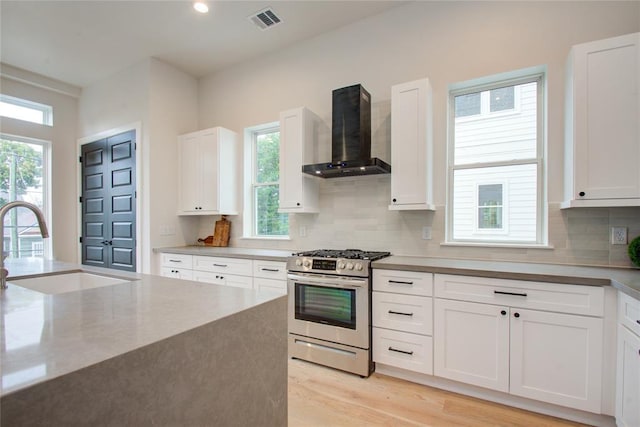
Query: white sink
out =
(67, 282)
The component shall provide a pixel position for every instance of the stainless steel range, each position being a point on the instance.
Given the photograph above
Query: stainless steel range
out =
(330, 308)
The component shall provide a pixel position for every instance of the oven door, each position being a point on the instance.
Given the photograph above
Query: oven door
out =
(330, 308)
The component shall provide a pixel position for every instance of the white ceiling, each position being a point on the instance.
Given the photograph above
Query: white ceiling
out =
(82, 41)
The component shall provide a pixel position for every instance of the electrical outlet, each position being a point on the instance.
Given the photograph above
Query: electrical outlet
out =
(302, 232)
(426, 233)
(618, 235)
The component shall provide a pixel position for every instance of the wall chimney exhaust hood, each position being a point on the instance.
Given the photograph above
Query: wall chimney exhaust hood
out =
(350, 137)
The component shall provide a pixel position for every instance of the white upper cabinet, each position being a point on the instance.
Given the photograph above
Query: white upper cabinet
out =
(299, 129)
(602, 130)
(208, 172)
(411, 146)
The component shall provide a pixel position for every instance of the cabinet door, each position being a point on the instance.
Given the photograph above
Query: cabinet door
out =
(262, 284)
(605, 107)
(557, 358)
(471, 343)
(406, 313)
(177, 273)
(189, 154)
(628, 380)
(412, 352)
(298, 135)
(411, 146)
(209, 167)
(291, 153)
(207, 277)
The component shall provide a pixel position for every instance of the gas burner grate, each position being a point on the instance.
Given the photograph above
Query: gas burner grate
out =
(344, 253)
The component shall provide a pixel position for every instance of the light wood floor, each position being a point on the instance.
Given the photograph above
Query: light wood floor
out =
(323, 397)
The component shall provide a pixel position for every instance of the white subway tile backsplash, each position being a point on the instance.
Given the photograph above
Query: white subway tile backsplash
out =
(354, 213)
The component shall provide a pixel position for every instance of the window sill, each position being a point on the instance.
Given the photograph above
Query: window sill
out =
(498, 245)
(265, 238)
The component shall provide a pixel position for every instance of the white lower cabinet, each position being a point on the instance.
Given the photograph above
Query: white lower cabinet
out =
(506, 346)
(238, 272)
(472, 343)
(270, 275)
(177, 266)
(628, 364)
(177, 273)
(221, 278)
(402, 320)
(412, 352)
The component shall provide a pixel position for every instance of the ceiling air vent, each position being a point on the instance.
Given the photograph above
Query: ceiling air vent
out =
(264, 19)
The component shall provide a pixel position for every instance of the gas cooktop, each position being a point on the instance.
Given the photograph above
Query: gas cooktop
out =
(343, 253)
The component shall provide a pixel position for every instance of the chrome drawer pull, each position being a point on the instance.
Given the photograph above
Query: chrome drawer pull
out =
(401, 313)
(275, 270)
(174, 260)
(510, 293)
(400, 282)
(410, 353)
(220, 265)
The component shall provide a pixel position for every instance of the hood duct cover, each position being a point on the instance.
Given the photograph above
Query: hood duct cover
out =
(350, 137)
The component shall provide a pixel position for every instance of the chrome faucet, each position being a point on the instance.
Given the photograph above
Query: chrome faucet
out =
(3, 211)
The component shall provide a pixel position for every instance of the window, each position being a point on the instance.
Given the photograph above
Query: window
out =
(496, 192)
(23, 165)
(265, 171)
(28, 111)
(490, 207)
(486, 102)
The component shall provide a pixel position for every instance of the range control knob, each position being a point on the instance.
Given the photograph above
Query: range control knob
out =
(298, 262)
(359, 266)
(341, 265)
(307, 263)
(350, 265)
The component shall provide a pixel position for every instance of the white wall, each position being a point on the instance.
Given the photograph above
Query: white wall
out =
(162, 101)
(62, 135)
(447, 42)
(173, 103)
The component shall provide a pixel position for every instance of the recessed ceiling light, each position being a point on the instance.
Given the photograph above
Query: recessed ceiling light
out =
(201, 7)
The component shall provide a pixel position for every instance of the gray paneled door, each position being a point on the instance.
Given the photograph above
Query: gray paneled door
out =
(109, 202)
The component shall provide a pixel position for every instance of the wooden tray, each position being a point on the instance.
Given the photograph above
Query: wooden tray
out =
(221, 232)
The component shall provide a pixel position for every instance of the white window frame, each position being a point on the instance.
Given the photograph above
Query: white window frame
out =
(249, 212)
(46, 110)
(537, 74)
(46, 186)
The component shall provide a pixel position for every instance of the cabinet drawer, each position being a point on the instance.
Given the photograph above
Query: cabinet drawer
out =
(261, 283)
(573, 299)
(177, 273)
(176, 260)
(238, 266)
(270, 269)
(406, 313)
(223, 279)
(629, 312)
(403, 282)
(403, 350)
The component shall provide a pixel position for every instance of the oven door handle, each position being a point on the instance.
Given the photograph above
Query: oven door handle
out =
(329, 281)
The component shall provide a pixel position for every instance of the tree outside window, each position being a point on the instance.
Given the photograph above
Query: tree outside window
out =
(267, 220)
(21, 178)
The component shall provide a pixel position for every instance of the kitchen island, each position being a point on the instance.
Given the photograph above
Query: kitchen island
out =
(145, 351)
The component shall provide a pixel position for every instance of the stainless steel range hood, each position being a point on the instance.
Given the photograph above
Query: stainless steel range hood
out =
(351, 138)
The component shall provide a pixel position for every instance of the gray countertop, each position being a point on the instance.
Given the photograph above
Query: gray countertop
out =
(47, 336)
(229, 252)
(625, 279)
